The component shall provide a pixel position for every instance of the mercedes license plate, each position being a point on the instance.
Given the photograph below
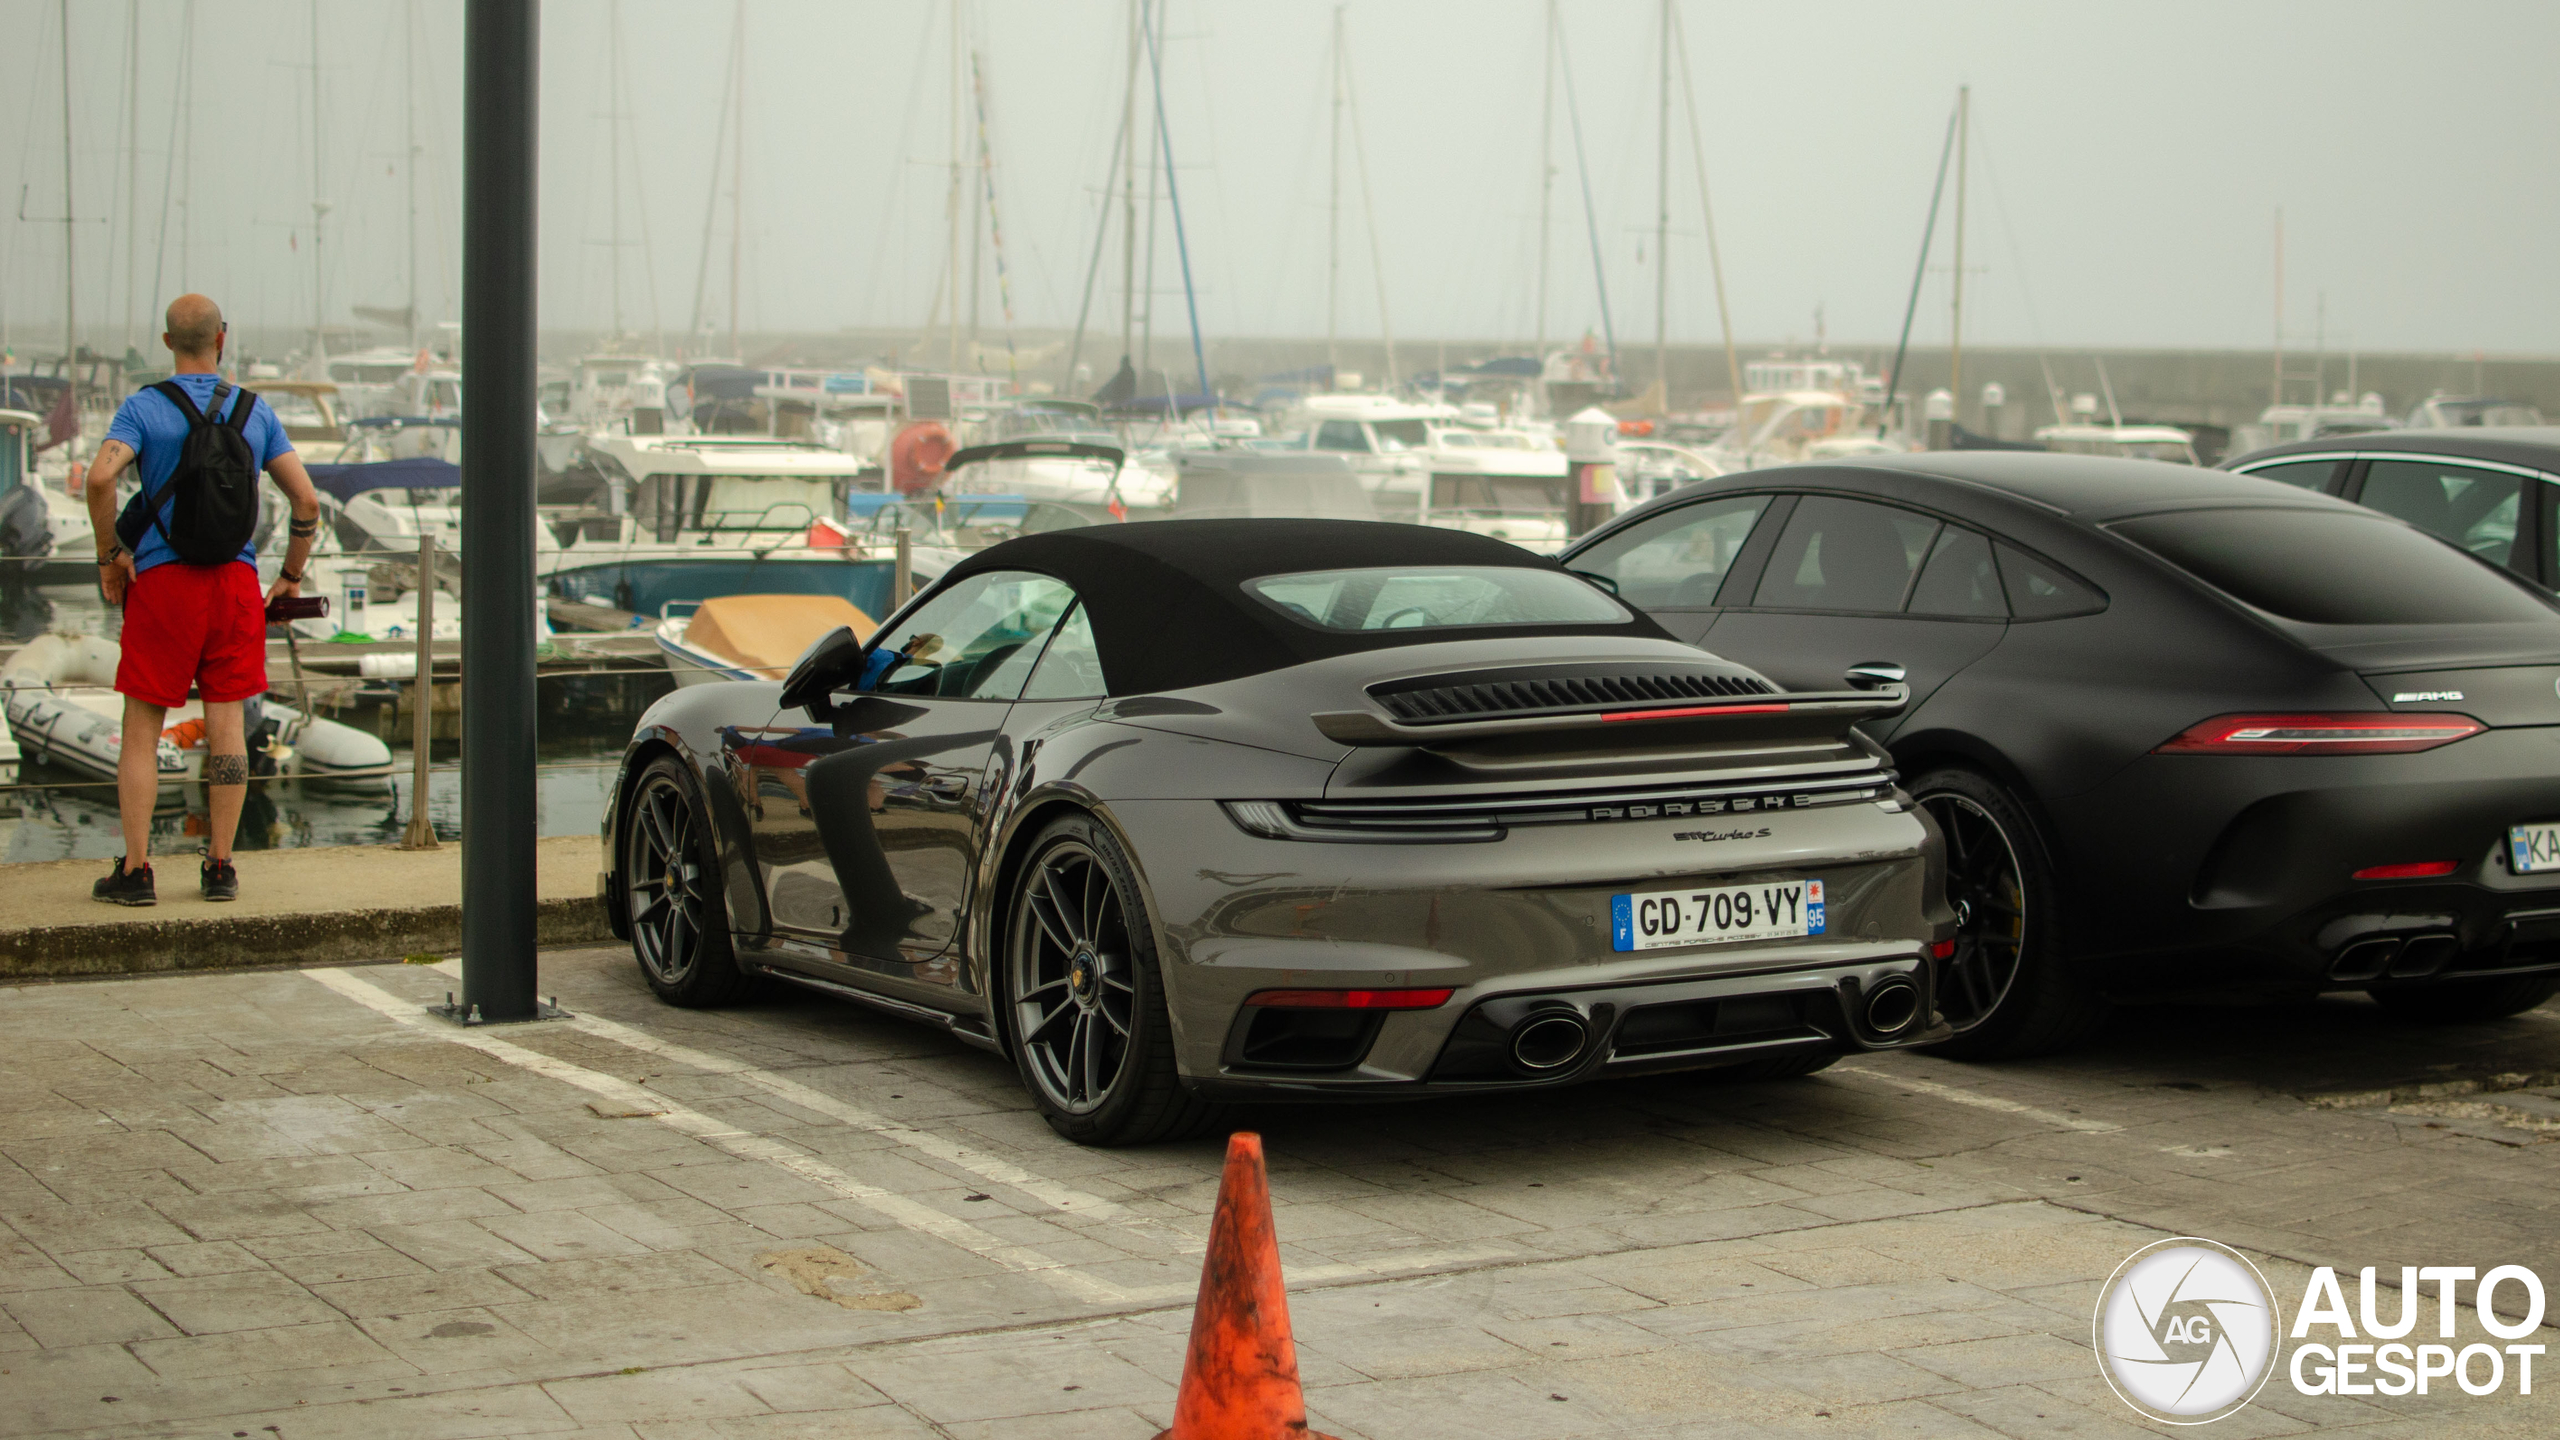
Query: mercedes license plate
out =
(2531, 848)
(1773, 910)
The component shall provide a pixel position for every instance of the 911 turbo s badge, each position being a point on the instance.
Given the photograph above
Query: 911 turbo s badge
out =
(1713, 835)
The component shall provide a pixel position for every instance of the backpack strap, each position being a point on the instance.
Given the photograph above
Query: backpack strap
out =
(186, 403)
(241, 412)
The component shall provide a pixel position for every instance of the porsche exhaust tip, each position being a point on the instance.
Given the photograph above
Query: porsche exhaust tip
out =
(1547, 1043)
(1892, 1007)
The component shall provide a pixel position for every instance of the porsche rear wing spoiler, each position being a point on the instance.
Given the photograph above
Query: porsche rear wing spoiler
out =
(1808, 715)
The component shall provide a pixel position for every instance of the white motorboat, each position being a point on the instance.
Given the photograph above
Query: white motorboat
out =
(1089, 471)
(2125, 442)
(1382, 439)
(688, 517)
(62, 708)
(750, 637)
(1795, 410)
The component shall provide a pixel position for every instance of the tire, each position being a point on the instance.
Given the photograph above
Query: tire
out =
(2008, 990)
(671, 895)
(2457, 1002)
(1084, 996)
(1781, 1067)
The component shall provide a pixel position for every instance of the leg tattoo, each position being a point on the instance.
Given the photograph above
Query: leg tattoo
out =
(226, 770)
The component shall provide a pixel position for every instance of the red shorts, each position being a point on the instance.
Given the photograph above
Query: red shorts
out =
(199, 625)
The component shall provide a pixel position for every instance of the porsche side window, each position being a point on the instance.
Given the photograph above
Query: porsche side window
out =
(1677, 559)
(2038, 591)
(976, 640)
(1959, 579)
(1071, 668)
(2309, 474)
(2475, 509)
(1844, 555)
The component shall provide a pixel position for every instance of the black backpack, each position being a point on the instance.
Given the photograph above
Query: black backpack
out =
(215, 513)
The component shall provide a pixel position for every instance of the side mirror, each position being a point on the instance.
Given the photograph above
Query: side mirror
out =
(833, 661)
(1874, 675)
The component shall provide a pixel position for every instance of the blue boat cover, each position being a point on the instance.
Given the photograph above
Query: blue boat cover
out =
(418, 472)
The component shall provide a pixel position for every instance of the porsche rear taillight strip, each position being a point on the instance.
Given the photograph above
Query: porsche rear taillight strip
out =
(1350, 999)
(2351, 734)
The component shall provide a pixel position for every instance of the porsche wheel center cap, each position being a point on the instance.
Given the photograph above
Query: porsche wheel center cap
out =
(1084, 973)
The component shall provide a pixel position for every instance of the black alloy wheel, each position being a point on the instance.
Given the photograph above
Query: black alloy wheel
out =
(2008, 990)
(671, 891)
(1989, 897)
(1085, 999)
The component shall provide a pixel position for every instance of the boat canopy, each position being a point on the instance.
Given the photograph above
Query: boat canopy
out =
(1035, 448)
(418, 472)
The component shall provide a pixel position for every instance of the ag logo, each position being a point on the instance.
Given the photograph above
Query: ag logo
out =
(2186, 1331)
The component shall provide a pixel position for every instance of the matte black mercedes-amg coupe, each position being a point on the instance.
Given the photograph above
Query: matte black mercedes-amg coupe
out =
(1185, 811)
(2183, 729)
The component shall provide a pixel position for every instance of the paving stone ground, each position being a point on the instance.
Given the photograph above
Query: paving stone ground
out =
(284, 1204)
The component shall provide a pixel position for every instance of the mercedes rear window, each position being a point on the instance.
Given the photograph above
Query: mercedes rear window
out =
(2329, 568)
(1396, 598)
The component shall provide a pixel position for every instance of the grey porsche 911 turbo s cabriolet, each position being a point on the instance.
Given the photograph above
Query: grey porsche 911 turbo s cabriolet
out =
(1188, 812)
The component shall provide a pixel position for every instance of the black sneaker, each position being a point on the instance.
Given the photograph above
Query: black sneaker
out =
(219, 880)
(126, 887)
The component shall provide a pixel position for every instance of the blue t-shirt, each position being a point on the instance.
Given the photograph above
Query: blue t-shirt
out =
(153, 425)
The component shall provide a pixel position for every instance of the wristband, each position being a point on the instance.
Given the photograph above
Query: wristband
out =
(288, 577)
(110, 557)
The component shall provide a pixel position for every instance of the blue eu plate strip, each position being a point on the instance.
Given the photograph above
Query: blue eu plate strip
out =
(1622, 921)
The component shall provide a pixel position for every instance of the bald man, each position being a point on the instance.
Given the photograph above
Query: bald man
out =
(188, 627)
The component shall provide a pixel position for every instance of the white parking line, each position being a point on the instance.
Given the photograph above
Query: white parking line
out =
(986, 1167)
(887, 1204)
(1980, 1101)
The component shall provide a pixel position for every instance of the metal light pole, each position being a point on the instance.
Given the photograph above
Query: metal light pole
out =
(500, 84)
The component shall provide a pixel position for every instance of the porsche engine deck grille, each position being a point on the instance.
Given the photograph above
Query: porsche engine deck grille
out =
(1488, 816)
(1437, 698)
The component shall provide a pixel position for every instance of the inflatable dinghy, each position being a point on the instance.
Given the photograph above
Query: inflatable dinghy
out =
(62, 707)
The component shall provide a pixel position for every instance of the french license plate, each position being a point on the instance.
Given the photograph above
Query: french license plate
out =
(2532, 848)
(1720, 915)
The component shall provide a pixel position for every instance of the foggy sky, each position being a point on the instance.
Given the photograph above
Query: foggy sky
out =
(2127, 161)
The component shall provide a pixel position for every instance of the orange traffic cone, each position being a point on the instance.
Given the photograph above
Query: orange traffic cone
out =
(1240, 1379)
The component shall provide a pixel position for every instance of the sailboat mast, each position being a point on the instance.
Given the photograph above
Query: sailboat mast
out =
(319, 207)
(711, 202)
(1546, 178)
(1181, 245)
(1590, 212)
(1955, 330)
(1369, 214)
(1706, 210)
(70, 289)
(1662, 222)
(737, 176)
(1129, 196)
(977, 214)
(132, 158)
(958, 173)
(613, 150)
(1333, 217)
(409, 166)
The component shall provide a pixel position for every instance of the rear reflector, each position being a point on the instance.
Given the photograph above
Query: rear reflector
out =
(2413, 870)
(1943, 950)
(2321, 734)
(1350, 999)
(1695, 710)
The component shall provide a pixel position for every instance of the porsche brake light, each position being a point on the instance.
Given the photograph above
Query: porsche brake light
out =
(2367, 734)
(2411, 870)
(1350, 999)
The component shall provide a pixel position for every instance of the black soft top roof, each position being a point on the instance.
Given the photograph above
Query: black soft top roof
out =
(1170, 610)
